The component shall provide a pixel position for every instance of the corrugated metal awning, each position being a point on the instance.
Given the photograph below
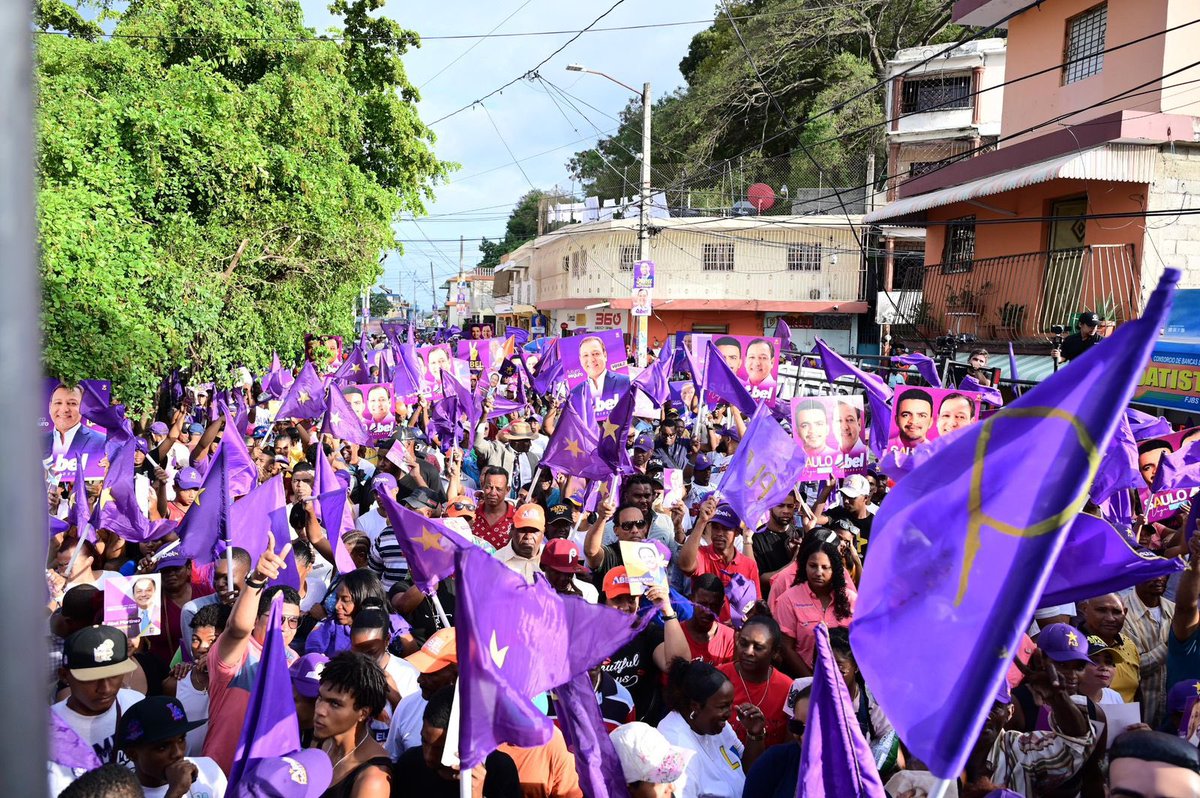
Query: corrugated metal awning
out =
(1125, 163)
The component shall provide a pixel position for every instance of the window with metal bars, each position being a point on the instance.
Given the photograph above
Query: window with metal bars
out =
(958, 254)
(717, 257)
(578, 264)
(942, 93)
(804, 257)
(1083, 52)
(629, 254)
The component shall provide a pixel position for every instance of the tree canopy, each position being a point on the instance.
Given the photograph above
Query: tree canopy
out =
(215, 181)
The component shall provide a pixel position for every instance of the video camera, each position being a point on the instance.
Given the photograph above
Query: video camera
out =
(947, 345)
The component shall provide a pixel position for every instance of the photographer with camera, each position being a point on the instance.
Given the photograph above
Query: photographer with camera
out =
(1066, 350)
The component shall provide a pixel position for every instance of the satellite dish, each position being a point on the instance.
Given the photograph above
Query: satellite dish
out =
(761, 196)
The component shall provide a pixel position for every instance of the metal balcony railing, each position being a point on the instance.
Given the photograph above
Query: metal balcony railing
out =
(1021, 297)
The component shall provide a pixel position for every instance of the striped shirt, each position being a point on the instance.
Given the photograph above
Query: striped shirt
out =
(1149, 634)
(386, 559)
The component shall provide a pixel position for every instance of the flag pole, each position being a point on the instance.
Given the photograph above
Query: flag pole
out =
(441, 612)
(939, 789)
(464, 783)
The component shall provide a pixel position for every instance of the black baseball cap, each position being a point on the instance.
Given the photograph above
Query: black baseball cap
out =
(559, 512)
(421, 499)
(1089, 318)
(153, 720)
(97, 652)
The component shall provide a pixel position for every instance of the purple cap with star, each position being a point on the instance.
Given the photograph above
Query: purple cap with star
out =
(1062, 642)
(188, 479)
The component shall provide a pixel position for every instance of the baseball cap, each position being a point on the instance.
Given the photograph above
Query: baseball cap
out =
(644, 443)
(438, 652)
(188, 478)
(1180, 693)
(196, 428)
(1089, 318)
(559, 512)
(731, 433)
(140, 445)
(703, 463)
(306, 674)
(854, 486)
(460, 506)
(1062, 642)
(725, 516)
(97, 652)
(81, 603)
(384, 479)
(420, 499)
(563, 556)
(301, 774)
(798, 686)
(259, 432)
(154, 719)
(616, 583)
(530, 515)
(1096, 644)
(159, 428)
(646, 755)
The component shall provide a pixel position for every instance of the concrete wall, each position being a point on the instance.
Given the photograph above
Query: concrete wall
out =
(1173, 240)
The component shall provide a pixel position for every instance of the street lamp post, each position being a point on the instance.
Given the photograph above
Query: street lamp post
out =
(644, 213)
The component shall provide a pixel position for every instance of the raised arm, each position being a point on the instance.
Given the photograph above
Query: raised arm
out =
(689, 552)
(232, 642)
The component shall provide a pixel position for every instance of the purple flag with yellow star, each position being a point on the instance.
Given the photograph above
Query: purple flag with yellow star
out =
(305, 398)
(572, 447)
(965, 544)
(763, 470)
(341, 421)
(354, 368)
(614, 433)
(427, 543)
(207, 520)
(117, 509)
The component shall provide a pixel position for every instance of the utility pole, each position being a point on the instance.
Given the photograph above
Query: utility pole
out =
(643, 322)
(433, 295)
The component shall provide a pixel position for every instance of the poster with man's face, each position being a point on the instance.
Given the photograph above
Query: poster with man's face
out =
(375, 407)
(483, 357)
(921, 414)
(1164, 503)
(830, 431)
(643, 274)
(431, 362)
(133, 604)
(69, 441)
(754, 360)
(596, 362)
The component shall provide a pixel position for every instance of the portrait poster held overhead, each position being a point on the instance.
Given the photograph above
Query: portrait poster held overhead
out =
(1163, 503)
(596, 362)
(483, 357)
(133, 604)
(754, 360)
(69, 441)
(431, 361)
(831, 432)
(645, 565)
(375, 407)
(920, 415)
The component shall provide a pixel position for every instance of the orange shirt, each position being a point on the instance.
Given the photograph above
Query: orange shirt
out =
(547, 771)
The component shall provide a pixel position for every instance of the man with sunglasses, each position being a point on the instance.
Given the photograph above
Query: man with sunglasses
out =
(629, 523)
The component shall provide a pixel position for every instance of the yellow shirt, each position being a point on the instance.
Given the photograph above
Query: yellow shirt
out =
(1125, 680)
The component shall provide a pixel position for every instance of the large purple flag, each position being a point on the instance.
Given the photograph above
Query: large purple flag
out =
(614, 433)
(515, 641)
(572, 447)
(354, 368)
(243, 473)
(655, 380)
(835, 759)
(67, 748)
(262, 511)
(596, 759)
(94, 407)
(721, 380)
(427, 543)
(549, 369)
(879, 394)
(965, 544)
(1178, 470)
(277, 379)
(1119, 467)
(765, 467)
(270, 728)
(1097, 559)
(468, 404)
(117, 509)
(987, 392)
(207, 520)
(341, 421)
(1145, 425)
(305, 398)
(519, 335)
(925, 366)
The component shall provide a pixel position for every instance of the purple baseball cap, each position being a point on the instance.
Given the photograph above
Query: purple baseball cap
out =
(301, 774)
(703, 463)
(386, 480)
(188, 479)
(159, 428)
(306, 674)
(731, 433)
(1062, 642)
(644, 442)
(725, 516)
(140, 445)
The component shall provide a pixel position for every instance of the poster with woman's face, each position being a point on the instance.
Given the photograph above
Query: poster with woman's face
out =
(133, 604)
(920, 415)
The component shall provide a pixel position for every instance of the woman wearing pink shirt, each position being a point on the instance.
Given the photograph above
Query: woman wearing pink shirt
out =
(820, 595)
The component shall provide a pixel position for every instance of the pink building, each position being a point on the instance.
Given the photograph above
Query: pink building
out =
(1100, 123)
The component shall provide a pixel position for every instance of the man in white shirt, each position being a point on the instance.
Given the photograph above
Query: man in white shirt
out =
(525, 541)
(153, 734)
(438, 663)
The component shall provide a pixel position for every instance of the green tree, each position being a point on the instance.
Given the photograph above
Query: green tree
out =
(380, 305)
(214, 181)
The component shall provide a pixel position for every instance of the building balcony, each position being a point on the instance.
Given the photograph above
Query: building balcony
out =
(1020, 298)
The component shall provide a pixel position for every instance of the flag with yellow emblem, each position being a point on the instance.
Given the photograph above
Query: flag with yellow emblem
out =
(572, 447)
(427, 543)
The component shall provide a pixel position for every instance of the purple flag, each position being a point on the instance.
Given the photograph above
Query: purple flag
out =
(1097, 559)
(1012, 363)
(67, 748)
(95, 408)
(277, 379)
(117, 509)
(515, 641)
(468, 404)
(655, 380)
(270, 728)
(964, 545)
(354, 368)
(1145, 425)
(305, 397)
(596, 759)
(341, 421)
(572, 447)
(243, 473)
(721, 380)
(427, 543)
(765, 467)
(80, 514)
(406, 380)
(879, 394)
(925, 366)
(333, 508)
(1119, 467)
(614, 432)
(251, 517)
(987, 392)
(1177, 470)
(549, 369)
(784, 333)
(207, 520)
(55, 526)
(519, 335)
(835, 759)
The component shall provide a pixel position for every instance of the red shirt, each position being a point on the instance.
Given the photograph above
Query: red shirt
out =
(769, 697)
(716, 651)
(497, 533)
(709, 561)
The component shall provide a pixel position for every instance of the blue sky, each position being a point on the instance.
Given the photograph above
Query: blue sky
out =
(526, 117)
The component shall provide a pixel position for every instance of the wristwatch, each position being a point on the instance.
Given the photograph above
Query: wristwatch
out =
(254, 584)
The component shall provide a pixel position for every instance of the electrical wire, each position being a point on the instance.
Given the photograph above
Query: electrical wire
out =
(478, 41)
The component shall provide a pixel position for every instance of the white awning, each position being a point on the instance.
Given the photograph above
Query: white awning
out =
(1125, 163)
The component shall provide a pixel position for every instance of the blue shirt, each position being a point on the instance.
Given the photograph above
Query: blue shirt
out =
(773, 774)
(1183, 659)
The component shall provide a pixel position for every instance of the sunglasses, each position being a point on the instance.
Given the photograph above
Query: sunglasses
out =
(463, 507)
(631, 525)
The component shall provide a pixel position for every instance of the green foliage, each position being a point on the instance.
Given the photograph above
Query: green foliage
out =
(214, 191)
(380, 305)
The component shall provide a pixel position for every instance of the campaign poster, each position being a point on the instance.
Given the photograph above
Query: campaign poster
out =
(375, 407)
(831, 432)
(683, 397)
(324, 351)
(920, 415)
(641, 304)
(69, 441)
(596, 362)
(753, 359)
(483, 357)
(645, 565)
(133, 604)
(643, 274)
(1164, 503)
(673, 487)
(431, 362)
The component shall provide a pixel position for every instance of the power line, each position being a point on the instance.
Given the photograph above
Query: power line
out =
(507, 148)
(473, 46)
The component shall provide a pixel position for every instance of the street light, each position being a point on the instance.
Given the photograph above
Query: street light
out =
(644, 214)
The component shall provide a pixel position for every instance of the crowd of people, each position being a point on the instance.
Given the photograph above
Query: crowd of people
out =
(709, 698)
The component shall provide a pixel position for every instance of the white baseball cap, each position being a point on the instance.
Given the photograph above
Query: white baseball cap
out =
(855, 485)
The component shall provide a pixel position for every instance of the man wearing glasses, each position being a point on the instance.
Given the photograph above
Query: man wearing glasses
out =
(630, 524)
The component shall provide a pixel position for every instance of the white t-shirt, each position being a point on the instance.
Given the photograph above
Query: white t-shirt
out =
(1110, 696)
(98, 731)
(716, 770)
(209, 783)
(405, 731)
(404, 677)
(195, 705)
(371, 523)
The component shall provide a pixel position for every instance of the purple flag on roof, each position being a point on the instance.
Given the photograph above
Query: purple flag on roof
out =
(965, 544)
(270, 728)
(117, 508)
(68, 749)
(835, 758)
(614, 433)
(596, 759)
(354, 368)
(305, 398)
(207, 520)
(925, 366)
(988, 393)
(332, 504)
(655, 380)
(515, 641)
(341, 421)
(572, 447)
(879, 394)
(763, 470)
(1119, 467)
(1097, 559)
(262, 511)
(724, 383)
(1145, 425)
(427, 543)
(1178, 470)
